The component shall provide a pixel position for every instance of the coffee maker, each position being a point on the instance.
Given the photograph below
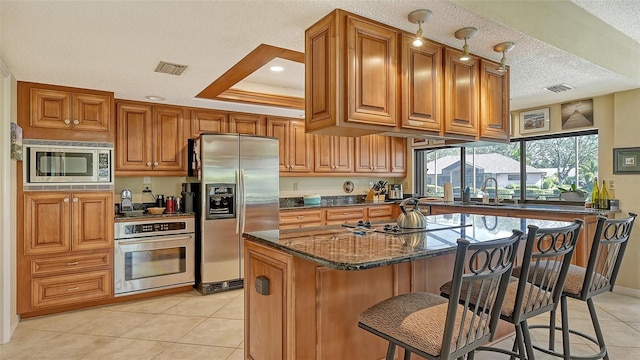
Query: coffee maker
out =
(394, 192)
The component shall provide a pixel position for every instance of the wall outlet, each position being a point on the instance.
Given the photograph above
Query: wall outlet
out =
(295, 186)
(612, 185)
(146, 180)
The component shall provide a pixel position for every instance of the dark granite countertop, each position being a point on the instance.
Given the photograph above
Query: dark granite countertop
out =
(341, 248)
(565, 209)
(336, 204)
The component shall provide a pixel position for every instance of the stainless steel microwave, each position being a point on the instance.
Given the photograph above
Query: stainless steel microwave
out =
(48, 164)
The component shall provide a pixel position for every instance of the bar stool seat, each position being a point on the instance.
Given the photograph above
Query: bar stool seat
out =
(605, 257)
(547, 256)
(437, 328)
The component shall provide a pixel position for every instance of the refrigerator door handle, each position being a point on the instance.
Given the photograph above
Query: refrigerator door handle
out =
(244, 200)
(238, 215)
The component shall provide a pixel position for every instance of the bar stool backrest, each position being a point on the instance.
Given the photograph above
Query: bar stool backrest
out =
(609, 245)
(546, 259)
(485, 265)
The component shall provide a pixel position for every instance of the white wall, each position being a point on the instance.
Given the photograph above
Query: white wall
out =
(8, 105)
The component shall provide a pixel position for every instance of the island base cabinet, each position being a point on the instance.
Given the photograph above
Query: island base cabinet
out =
(311, 311)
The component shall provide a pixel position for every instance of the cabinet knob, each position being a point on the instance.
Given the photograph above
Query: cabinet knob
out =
(72, 263)
(73, 288)
(75, 200)
(155, 163)
(67, 121)
(66, 200)
(149, 163)
(76, 122)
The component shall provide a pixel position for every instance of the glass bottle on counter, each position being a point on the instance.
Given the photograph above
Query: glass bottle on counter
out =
(595, 194)
(604, 196)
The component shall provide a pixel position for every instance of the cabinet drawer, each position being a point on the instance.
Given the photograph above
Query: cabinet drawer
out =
(70, 289)
(350, 213)
(382, 211)
(301, 217)
(75, 263)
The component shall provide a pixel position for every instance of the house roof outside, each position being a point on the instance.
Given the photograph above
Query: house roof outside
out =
(491, 163)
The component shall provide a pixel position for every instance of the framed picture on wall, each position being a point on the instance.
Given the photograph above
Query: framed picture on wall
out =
(577, 114)
(534, 121)
(626, 161)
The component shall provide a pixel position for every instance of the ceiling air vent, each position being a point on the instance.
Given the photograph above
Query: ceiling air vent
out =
(559, 88)
(169, 68)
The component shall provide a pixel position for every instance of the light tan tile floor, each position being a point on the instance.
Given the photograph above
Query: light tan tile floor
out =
(191, 326)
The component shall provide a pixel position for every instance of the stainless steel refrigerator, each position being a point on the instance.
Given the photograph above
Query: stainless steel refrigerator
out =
(239, 190)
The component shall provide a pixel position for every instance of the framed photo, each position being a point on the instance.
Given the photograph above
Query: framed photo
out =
(534, 121)
(577, 114)
(626, 161)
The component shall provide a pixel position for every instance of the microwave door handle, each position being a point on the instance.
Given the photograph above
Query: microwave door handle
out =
(163, 239)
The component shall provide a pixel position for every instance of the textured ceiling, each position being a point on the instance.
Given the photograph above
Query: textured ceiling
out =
(115, 45)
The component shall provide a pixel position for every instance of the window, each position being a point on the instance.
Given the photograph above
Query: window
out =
(543, 166)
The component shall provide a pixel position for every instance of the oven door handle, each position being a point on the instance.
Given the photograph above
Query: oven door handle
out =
(163, 239)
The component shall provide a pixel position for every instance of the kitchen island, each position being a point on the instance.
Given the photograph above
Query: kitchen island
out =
(305, 288)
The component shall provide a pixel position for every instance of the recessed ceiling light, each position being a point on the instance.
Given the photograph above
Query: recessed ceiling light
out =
(155, 98)
(276, 68)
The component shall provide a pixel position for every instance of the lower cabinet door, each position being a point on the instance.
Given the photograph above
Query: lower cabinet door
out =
(70, 289)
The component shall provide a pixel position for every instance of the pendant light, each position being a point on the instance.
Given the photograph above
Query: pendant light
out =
(418, 17)
(465, 33)
(503, 48)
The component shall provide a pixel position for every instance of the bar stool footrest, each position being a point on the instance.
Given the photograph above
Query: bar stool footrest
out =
(552, 352)
(498, 350)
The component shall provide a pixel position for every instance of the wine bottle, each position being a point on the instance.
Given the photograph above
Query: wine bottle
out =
(595, 195)
(604, 196)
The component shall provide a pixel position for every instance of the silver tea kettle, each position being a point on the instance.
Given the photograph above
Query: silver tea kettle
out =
(412, 219)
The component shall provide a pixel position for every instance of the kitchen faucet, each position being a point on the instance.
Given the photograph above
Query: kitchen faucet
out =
(484, 188)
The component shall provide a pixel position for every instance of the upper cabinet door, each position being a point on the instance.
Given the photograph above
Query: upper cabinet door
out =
(372, 67)
(279, 128)
(494, 107)
(421, 89)
(134, 146)
(373, 153)
(462, 94)
(398, 155)
(47, 222)
(92, 221)
(204, 121)
(50, 109)
(300, 148)
(170, 142)
(250, 124)
(91, 112)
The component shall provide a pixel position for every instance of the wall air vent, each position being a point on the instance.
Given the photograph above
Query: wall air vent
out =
(169, 68)
(559, 88)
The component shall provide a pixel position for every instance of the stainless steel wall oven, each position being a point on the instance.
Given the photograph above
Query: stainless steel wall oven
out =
(154, 254)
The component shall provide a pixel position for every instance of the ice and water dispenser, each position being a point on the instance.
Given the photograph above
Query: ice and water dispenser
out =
(221, 200)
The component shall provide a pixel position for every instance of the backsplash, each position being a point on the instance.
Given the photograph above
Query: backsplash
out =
(290, 187)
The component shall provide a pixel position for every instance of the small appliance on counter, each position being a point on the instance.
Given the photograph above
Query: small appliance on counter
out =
(126, 204)
(395, 192)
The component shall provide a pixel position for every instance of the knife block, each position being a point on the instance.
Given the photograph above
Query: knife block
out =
(372, 196)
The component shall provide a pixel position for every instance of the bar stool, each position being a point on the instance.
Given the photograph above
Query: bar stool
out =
(608, 248)
(436, 328)
(547, 256)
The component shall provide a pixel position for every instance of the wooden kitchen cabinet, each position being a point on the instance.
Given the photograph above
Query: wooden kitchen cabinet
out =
(494, 104)
(208, 121)
(345, 215)
(351, 75)
(57, 221)
(333, 154)
(399, 156)
(151, 140)
(251, 124)
(64, 113)
(462, 94)
(295, 146)
(421, 86)
(373, 154)
(67, 250)
(298, 218)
